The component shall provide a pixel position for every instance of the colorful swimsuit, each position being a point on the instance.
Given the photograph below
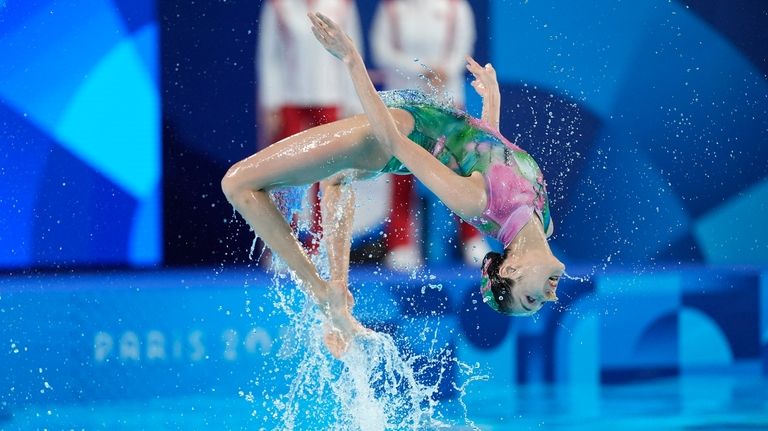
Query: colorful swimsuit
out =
(514, 183)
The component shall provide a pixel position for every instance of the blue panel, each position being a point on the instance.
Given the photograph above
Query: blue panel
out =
(145, 244)
(116, 338)
(735, 232)
(531, 364)
(68, 71)
(80, 216)
(52, 54)
(135, 13)
(702, 343)
(21, 169)
(731, 300)
(419, 301)
(624, 204)
(682, 250)
(146, 41)
(764, 316)
(632, 303)
(40, 325)
(700, 113)
(118, 104)
(482, 327)
(737, 22)
(577, 48)
(658, 345)
(577, 354)
(14, 14)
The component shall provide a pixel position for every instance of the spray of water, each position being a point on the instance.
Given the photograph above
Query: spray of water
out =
(378, 384)
(375, 385)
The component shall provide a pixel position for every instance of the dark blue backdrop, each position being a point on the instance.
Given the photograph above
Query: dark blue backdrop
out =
(649, 120)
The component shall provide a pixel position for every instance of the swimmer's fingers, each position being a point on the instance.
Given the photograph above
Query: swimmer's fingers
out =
(333, 39)
(478, 86)
(319, 35)
(472, 64)
(480, 72)
(329, 23)
(490, 70)
(318, 28)
(473, 67)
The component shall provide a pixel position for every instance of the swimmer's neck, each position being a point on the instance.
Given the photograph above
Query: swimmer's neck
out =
(532, 238)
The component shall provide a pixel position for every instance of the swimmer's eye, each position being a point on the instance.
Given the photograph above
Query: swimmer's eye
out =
(554, 278)
(530, 299)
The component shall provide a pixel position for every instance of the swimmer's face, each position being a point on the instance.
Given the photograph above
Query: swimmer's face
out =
(536, 277)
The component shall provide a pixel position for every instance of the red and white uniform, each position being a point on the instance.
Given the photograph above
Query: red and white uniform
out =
(408, 34)
(293, 68)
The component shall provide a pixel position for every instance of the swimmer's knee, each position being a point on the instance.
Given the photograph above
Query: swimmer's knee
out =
(235, 189)
(229, 185)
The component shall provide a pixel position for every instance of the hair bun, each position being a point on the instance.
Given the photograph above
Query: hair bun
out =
(491, 256)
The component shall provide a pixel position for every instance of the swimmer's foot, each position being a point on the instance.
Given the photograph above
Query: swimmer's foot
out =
(341, 327)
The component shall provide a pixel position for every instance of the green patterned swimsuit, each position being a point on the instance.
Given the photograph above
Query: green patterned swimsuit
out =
(514, 183)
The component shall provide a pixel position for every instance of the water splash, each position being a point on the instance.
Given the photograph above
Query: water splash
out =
(579, 278)
(375, 385)
(380, 383)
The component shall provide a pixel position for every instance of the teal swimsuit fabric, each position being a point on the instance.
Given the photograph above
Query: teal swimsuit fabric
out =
(514, 182)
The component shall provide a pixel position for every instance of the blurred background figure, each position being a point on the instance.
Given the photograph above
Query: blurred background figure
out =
(422, 44)
(300, 85)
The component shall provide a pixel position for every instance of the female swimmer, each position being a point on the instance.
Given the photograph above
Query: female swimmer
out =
(485, 179)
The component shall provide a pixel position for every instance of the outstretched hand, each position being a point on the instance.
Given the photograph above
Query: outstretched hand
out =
(332, 37)
(485, 83)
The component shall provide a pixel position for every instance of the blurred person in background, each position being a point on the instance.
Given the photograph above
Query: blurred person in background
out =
(422, 44)
(300, 86)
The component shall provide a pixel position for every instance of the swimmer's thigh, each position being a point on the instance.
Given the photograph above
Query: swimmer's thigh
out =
(316, 154)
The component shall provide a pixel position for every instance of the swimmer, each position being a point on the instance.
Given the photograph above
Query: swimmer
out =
(482, 177)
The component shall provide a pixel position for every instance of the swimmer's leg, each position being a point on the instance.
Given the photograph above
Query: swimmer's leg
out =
(301, 159)
(338, 206)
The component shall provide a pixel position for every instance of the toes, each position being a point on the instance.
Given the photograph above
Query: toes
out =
(335, 343)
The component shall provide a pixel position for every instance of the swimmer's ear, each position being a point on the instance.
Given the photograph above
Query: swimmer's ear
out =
(506, 271)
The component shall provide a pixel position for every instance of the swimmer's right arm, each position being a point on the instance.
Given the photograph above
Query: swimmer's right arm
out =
(465, 196)
(341, 46)
(486, 85)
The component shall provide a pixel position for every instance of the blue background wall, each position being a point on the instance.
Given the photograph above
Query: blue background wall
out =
(648, 119)
(137, 335)
(80, 136)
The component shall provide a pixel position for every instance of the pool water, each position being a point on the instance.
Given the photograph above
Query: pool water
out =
(715, 402)
(113, 355)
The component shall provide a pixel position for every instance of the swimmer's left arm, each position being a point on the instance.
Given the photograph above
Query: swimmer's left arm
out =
(486, 85)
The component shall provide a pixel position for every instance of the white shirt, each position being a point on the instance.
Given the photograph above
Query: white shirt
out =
(408, 34)
(293, 67)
